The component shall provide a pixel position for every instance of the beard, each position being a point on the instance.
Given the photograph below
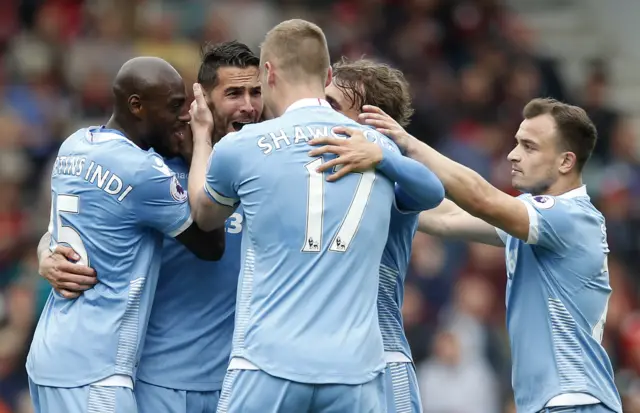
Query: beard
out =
(537, 188)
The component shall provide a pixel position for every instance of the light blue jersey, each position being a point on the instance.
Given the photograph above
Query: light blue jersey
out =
(401, 384)
(557, 296)
(306, 309)
(111, 202)
(191, 324)
(393, 271)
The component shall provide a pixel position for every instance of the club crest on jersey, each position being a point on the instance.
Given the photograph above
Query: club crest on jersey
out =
(544, 201)
(177, 191)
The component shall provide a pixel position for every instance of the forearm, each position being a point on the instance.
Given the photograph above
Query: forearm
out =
(417, 185)
(462, 185)
(451, 222)
(197, 174)
(43, 246)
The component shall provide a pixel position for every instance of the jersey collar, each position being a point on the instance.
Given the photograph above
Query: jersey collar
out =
(101, 134)
(302, 103)
(581, 191)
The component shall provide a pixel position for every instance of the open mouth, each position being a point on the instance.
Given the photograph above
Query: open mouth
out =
(179, 134)
(237, 126)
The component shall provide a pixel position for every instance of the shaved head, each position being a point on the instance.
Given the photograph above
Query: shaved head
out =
(145, 76)
(150, 101)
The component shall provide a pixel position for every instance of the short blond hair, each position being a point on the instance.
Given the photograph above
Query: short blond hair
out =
(299, 49)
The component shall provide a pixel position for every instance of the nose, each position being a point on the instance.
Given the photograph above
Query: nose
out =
(513, 156)
(247, 107)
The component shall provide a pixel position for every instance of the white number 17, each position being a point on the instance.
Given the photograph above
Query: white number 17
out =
(315, 210)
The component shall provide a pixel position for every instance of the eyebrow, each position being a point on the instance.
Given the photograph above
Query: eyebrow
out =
(180, 98)
(234, 89)
(525, 140)
(332, 102)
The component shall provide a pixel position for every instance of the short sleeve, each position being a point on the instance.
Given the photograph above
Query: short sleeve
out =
(550, 222)
(503, 235)
(160, 202)
(221, 184)
(403, 203)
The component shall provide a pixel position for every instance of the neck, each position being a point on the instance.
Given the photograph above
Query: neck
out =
(117, 124)
(288, 95)
(562, 186)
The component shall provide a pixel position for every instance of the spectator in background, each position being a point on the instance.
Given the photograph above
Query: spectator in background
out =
(451, 383)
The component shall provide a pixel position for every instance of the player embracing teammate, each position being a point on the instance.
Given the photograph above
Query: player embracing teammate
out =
(326, 243)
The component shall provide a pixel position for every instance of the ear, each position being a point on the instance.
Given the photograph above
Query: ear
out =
(329, 77)
(271, 76)
(568, 162)
(135, 105)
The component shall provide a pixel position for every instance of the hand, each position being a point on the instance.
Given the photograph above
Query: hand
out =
(385, 124)
(66, 277)
(356, 154)
(201, 117)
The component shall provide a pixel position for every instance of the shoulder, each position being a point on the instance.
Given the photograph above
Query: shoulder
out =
(73, 140)
(235, 141)
(569, 218)
(155, 179)
(546, 202)
(151, 167)
(578, 206)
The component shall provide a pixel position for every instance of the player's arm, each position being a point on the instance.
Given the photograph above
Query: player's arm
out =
(450, 221)
(463, 186)
(417, 188)
(59, 269)
(209, 207)
(160, 202)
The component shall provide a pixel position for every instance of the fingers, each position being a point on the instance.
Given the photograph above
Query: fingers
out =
(366, 115)
(199, 95)
(326, 149)
(69, 295)
(376, 123)
(343, 130)
(325, 140)
(340, 173)
(63, 278)
(330, 164)
(73, 287)
(67, 252)
(373, 109)
(75, 269)
(365, 118)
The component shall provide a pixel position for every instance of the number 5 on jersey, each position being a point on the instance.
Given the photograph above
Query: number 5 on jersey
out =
(315, 210)
(64, 234)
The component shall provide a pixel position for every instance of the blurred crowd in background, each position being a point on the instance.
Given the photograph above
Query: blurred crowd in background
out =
(472, 65)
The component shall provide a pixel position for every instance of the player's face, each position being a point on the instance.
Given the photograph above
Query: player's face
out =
(338, 100)
(236, 100)
(167, 118)
(536, 159)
